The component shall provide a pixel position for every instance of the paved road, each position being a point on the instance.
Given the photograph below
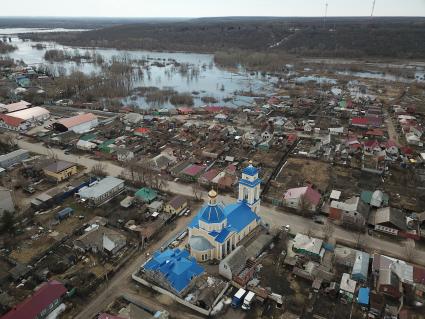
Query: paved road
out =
(269, 214)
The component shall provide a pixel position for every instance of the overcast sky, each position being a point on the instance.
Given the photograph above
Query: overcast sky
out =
(209, 8)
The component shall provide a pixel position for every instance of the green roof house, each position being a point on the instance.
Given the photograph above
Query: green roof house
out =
(146, 194)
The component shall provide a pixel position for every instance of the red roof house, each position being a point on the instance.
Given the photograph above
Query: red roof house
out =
(292, 197)
(359, 121)
(43, 301)
(141, 131)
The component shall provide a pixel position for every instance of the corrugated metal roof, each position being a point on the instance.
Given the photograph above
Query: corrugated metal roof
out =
(77, 120)
(177, 266)
(104, 186)
(39, 301)
(28, 114)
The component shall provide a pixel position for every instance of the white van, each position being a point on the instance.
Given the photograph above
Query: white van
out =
(248, 300)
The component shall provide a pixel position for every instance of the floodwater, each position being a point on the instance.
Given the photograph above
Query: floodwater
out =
(203, 77)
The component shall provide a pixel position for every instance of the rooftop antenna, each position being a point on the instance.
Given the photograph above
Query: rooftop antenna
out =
(326, 13)
(373, 8)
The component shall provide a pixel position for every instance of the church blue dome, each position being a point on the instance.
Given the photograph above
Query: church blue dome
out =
(212, 214)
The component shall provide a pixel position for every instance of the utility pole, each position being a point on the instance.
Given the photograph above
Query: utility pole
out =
(373, 8)
(326, 13)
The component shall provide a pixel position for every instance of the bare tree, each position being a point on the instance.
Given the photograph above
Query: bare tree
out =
(409, 250)
(98, 169)
(304, 206)
(197, 191)
(328, 230)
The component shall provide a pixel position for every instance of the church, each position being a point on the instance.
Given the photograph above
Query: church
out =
(217, 229)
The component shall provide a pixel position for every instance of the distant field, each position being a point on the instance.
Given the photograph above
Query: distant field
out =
(394, 37)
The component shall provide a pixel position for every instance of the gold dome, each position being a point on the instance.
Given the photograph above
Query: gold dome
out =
(212, 194)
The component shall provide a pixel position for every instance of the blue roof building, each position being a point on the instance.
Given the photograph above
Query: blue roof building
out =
(217, 229)
(174, 269)
(363, 296)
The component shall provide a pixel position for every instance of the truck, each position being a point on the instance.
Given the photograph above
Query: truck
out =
(238, 298)
(248, 300)
(64, 213)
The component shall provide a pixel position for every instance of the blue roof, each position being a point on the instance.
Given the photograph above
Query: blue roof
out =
(250, 170)
(222, 235)
(177, 266)
(249, 183)
(211, 214)
(363, 297)
(239, 215)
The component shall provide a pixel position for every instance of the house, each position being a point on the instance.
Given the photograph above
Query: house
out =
(99, 239)
(6, 201)
(387, 282)
(360, 269)
(13, 158)
(289, 126)
(124, 155)
(347, 287)
(361, 122)
(176, 205)
(192, 172)
(234, 263)
(60, 170)
(102, 191)
(81, 123)
(146, 195)
(141, 131)
(295, 197)
(352, 212)
(389, 220)
(44, 300)
(173, 269)
(375, 199)
(155, 207)
(85, 145)
(309, 246)
(132, 118)
(266, 135)
(207, 178)
(217, 229)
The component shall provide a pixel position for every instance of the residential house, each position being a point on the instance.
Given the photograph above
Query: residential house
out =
(102, 191)
(353, 212)
(289, 126)
(146, 194)
(389, 220)
(60, 170)
(347, 287)
(207, 178)
(99, 239)
(176, 205)
(302, 197)
(360, 269)
(124, 155)
(309, 246)
(44, 300)
(192, 172)
(173, 269)
(375, 199)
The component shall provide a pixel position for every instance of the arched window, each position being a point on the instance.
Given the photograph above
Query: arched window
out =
(245, 194)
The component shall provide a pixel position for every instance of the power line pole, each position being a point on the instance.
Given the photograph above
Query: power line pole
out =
(326, 13)
(373, 8)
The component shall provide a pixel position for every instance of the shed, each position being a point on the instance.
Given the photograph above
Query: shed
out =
(363, 296)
